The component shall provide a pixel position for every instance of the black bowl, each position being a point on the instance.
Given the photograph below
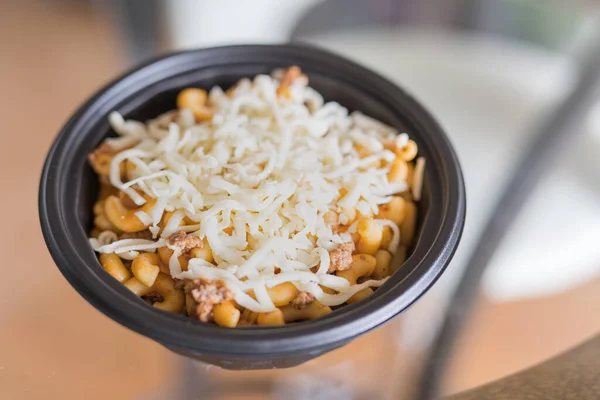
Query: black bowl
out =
(68, 188)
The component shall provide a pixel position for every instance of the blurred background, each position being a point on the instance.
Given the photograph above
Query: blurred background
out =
(490, 71)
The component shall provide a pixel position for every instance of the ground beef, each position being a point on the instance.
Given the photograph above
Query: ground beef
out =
(341, 257)
(206, 295)
(184, 241)
(153, 298)
(302, 299)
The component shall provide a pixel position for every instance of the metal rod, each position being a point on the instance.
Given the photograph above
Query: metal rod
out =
(551, 138)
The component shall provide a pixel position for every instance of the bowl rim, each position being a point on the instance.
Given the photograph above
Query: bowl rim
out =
(106, 294)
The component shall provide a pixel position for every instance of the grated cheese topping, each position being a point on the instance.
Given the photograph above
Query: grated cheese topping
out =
(255, 182)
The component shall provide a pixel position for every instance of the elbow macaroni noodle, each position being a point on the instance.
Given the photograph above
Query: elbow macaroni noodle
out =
(153, 268)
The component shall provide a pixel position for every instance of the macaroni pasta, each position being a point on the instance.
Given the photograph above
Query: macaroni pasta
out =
(261, 205)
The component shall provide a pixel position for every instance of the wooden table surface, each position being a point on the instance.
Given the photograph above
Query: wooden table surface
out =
(55, 345)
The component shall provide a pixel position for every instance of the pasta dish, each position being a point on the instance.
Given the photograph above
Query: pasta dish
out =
(259, 205)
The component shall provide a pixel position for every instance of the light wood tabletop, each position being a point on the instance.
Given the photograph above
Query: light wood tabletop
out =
(54, 345)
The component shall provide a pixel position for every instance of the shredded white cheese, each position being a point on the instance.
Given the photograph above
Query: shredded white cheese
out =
(395, 242)
(257, 181)
(126, 245)
(144, 217)
(106, 238)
